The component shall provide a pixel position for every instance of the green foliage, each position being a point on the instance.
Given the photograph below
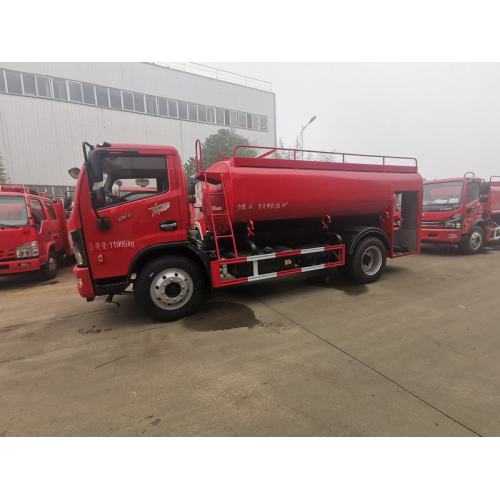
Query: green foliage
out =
(217, 146)
(3, 171)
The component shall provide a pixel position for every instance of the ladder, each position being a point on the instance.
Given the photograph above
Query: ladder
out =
(224, 214)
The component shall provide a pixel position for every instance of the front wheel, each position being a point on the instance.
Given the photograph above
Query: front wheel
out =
(367, 263)
(169, 288)
(49, 270)
(473, 242)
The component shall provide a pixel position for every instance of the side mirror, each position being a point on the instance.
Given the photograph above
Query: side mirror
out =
(74, 172)
(68, 200)
(94, 167)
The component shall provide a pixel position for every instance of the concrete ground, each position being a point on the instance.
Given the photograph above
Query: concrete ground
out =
(416, 354)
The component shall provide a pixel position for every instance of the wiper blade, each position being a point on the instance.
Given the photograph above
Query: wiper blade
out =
(8, 225)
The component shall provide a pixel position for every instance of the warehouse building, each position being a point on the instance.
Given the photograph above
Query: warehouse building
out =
(48, 109)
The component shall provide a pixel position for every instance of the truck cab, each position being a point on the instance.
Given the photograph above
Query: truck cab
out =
(33, 232)
(455, 211)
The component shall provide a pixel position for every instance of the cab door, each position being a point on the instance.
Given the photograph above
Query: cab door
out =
(54, 228)
(473, 208)
(139, 204)
(42, 227)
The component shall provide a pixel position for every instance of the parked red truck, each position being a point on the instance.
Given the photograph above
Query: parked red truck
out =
(252, 218)
(464, 211)
(33, 232)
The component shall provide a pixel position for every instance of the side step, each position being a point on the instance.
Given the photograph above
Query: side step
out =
(335, 255)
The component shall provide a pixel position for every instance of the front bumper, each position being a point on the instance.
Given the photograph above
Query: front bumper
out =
(19, 266)
(84, 282)
(439, 235)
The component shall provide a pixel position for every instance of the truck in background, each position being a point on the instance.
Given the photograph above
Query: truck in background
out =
(464, 211)
(252, 218)
(33, 232)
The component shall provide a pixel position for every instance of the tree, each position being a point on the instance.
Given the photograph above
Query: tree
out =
(214, 147)
(3, 171)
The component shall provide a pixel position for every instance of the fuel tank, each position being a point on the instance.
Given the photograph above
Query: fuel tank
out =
(259, 189)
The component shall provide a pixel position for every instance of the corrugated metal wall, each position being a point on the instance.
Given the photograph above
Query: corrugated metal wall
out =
(40, 139)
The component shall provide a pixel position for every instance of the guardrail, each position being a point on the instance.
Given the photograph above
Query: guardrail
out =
(219, 74)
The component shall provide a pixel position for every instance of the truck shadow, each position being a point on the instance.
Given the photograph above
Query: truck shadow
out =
(31, 279)
(452, 251)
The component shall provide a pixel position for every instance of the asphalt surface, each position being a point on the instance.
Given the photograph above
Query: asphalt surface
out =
(415, 354)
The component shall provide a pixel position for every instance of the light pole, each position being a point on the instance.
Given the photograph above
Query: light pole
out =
(302, 133)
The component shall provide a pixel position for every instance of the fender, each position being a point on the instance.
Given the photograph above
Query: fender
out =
(353, 236)
(181, 247)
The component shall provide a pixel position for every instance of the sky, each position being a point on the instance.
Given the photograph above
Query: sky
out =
(447, 115)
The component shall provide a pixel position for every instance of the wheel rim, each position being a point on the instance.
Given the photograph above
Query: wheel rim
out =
(171, 289)
(476, 240)
(371, 260)
(52, 264)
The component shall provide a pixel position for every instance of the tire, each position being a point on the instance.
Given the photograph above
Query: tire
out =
(169, 288)
(49, 270)
(367, 263)
(473, 242)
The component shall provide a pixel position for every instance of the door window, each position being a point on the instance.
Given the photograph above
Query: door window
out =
(130, 178)
(472, 192)
(50, 210)
(37, 212)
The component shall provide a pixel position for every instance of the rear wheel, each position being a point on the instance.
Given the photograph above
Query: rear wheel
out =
(473, 242)
(49, 271)
(367, 263)
(169, 288)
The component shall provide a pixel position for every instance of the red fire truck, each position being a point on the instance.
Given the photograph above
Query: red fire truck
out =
(252, 218)
(464, 211)
(33, 232)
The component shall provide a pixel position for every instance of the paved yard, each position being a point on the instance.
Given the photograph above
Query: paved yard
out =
(416, 354)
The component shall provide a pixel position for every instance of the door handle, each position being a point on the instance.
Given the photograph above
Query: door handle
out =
(169, 225)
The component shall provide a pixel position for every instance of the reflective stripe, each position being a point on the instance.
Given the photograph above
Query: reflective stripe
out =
(262, 277)
(312, 250)
(312, 268)
(261, 257)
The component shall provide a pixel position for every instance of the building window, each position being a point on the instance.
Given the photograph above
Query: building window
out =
(263, 123)
(128, 100)
(75, 91)
(162, 106)
(255, 122)
(151, 105)
(115, 98)
(13, 82)
(219, 116)
(210, 115)
(2, 82)
(233, 119)
(60, 90)
(202, 113)
(29, 86)
(43, 86)
(102, 96)
(88, 93)
(192, 112)
(182, 110)
(172, 109)
(242, 119)
(139, 102)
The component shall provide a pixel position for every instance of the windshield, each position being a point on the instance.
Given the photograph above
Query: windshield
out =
(441, 196)
(13, 211)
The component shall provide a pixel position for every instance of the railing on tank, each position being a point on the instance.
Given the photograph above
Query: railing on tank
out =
(298, 157)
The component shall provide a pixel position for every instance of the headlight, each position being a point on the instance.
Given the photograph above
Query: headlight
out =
(456, 222)
(28, 250)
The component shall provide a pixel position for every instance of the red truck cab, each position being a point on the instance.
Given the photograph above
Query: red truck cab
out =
(463, 211)
(33, 233)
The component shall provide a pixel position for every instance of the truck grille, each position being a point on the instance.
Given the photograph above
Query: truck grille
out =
(432, 223)
(8, 254)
